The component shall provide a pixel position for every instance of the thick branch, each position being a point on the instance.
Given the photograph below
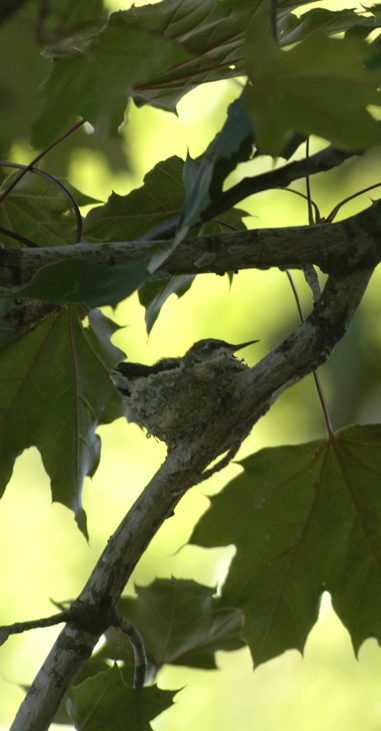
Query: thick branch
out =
(74, 645)
(256, 388)
(334, 247)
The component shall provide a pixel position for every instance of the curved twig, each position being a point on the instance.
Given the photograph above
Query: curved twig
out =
(55, 182)
(138, 647)
(26, 168)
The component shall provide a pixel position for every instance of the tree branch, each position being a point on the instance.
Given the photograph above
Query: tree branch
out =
(322, 161)
(334, 247)
(254, 391)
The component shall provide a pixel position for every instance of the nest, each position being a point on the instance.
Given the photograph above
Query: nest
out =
(182, 404)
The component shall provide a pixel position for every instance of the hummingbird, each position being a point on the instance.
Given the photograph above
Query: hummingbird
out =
(201, 351)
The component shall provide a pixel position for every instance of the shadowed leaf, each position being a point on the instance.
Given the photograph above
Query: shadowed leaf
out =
(106, 702)
(38, 210)
(55, 390)
(82, 282)
(305, 519)
(181, 624)
(318, 87)
(157, 53)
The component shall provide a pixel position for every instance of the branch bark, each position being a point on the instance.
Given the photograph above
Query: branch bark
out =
(255, 390)
(334, 247)
(347, 251)
(281, 177)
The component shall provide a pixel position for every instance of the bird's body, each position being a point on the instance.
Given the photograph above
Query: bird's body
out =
(176, 399)
(200, 351)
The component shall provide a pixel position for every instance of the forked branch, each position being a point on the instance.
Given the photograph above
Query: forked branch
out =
(255, 390)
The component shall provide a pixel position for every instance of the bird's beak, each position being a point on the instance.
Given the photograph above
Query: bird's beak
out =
(234, 348)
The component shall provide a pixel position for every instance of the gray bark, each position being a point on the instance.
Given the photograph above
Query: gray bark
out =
(255, 390)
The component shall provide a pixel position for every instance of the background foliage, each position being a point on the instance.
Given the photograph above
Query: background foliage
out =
(43, 556)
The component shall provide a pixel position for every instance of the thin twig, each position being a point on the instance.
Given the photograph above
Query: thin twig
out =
(138, 647)
(39, 156)
(55, 182)
(20, 238)
(323, 402)
(19, 627)
(335, 210)
(322, 161)
(311, 218)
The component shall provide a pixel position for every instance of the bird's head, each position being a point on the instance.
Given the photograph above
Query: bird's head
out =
(210, 348)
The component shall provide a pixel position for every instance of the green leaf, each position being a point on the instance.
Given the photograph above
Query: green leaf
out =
(305, 519)
(106, 702)
(55, 390)
(92, 667)
(125, 218)
(213, 31)
(205, 176)
(63, 18)
(157, 52)
(181, 624)
(19, 89)
(97, 82)
(40, 211)
(331, 21)
(233, 219)
(318, 87)
(153, 295)
(82, 282)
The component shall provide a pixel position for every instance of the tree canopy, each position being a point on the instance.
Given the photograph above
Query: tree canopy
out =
(303, 106)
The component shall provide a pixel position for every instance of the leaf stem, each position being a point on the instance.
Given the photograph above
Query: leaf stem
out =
(319, 389)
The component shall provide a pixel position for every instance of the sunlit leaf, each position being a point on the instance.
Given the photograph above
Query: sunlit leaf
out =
(214, 33)
(106, 702)
(125, 218)
(55, 390)
(305, 519)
